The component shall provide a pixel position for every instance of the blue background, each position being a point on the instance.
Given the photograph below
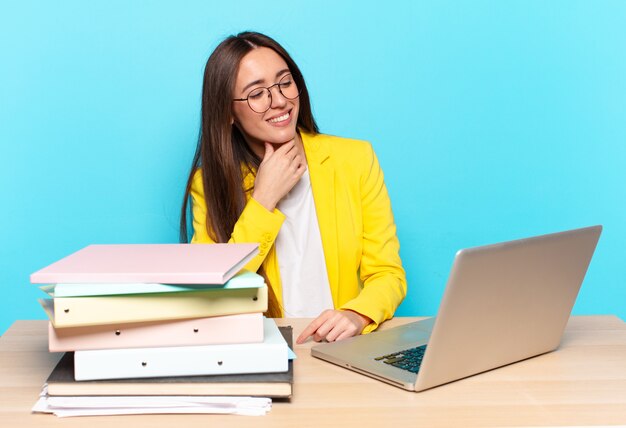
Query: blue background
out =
(492, 121)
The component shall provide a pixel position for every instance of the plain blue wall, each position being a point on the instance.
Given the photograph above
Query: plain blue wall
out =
(492, 120)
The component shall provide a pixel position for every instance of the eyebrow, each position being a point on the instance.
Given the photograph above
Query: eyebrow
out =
(259, 81)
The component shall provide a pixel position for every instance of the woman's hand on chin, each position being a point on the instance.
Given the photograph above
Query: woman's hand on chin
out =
(280, 170)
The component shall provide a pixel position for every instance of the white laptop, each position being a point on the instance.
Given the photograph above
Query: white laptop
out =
(503, 303)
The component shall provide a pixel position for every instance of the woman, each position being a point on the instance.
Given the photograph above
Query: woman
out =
(317, 204)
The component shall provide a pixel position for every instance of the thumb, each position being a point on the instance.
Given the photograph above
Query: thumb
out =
(269, 151)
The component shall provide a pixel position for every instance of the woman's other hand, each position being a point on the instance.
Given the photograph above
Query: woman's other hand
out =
(280, 170)
(334, 325)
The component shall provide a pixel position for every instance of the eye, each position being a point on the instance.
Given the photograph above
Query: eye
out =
(286, 81)
(256, 94)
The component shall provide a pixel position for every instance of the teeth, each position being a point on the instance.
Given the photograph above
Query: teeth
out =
(279, 118)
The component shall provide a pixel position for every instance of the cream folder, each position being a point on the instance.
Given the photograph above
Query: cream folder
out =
(241, 328)
(269, 356)
(83, 311)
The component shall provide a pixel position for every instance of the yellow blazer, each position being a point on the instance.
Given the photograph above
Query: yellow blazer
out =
(356, 224)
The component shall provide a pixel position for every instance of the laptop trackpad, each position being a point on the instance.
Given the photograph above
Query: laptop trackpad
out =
(404, 336)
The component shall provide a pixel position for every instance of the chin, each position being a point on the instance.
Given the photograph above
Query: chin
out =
(281, 137)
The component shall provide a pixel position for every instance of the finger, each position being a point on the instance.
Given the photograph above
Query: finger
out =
(314, 326)
(286, 147)
(298, 160)
(301, 170)
(342, 324)
(335, 332)
(292, 153)
(311, 328)
(296, 166)
(306, 333)
(346, 334)
(327, 327)
(294, 169)
(297, 174)
(269, 151)
(301, 167)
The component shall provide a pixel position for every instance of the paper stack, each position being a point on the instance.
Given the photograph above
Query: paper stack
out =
(155, 312)
(102, 406)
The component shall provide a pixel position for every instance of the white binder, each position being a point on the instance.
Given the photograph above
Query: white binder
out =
(270, 356)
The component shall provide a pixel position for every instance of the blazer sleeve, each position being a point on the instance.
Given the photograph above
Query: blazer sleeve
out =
(255, 224)
(381, 271)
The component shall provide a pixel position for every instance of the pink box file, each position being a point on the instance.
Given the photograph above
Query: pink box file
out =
(241, 328)
(160, 263)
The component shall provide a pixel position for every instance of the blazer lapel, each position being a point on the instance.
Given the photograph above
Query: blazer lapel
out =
(322, 175)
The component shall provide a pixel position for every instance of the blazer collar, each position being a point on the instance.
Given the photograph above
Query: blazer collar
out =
(316, 149)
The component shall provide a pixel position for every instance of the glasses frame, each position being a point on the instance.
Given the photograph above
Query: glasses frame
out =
(269, 91)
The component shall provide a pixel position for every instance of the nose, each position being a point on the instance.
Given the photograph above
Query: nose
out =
(278, 100)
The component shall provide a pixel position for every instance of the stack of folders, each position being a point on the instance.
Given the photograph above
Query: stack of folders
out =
(162, 320)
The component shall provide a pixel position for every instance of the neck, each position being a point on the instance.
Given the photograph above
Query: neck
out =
(259, 149)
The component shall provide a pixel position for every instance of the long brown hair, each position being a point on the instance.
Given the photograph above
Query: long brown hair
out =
(222, 154)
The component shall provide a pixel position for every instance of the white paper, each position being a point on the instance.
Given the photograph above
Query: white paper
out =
(133, 405)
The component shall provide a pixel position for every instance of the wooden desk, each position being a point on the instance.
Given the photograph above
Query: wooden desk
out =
(583, 383)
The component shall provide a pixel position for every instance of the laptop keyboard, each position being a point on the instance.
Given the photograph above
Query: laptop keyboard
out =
(409, 359)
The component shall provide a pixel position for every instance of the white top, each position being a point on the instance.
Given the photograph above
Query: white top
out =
(305, 286)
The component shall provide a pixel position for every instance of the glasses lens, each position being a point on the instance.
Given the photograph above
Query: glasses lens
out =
(288, 87)
(259, 100)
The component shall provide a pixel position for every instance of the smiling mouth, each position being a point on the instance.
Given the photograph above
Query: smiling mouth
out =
(281, 118)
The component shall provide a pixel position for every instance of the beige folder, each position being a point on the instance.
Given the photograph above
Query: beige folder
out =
(83, 311)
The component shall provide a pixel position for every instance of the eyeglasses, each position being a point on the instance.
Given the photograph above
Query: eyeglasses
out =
(260, 99)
